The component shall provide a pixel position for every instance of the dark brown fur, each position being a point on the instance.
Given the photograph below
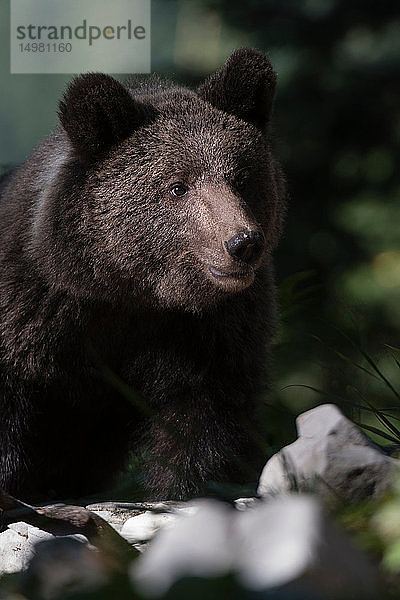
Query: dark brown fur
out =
(101, 265)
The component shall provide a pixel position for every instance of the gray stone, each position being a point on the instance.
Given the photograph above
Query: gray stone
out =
(17, 544)
(63, 565)
(332, 457)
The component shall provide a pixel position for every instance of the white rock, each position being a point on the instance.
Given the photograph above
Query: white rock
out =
(331, 456)
(197, 545)
(16, 546)
(275, 542)
(289, 542)
(142, 528)
(246, 503)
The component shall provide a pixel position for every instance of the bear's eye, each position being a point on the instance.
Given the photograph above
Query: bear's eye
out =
(243, 177)
(178, 189)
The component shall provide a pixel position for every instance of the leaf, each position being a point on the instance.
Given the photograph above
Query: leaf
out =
(377, 431)
(392, 348)
(354, 364)
(381, 375)
(328, 395)
(379, 414)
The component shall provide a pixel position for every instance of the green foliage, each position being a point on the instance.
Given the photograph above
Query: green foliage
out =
(386, 523)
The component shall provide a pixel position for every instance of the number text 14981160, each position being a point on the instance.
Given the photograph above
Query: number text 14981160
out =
(45, 47)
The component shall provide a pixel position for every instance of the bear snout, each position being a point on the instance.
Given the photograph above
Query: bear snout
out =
(246, 246)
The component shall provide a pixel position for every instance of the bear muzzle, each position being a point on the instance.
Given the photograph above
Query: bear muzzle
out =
(246, 246)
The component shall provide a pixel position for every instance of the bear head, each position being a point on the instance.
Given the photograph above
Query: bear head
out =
(168, 197)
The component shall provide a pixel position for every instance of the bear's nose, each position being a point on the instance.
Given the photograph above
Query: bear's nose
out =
(246, 246)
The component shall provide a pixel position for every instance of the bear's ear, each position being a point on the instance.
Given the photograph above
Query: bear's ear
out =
(97, 112)
(244, 87)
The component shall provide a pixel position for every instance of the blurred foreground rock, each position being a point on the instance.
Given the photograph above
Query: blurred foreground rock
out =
(287, 544)
(283, 542)
(63, 565)
(331, 457)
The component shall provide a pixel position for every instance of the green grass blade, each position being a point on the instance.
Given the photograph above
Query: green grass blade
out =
(377, 431)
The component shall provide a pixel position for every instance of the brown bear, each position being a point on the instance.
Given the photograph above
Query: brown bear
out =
(137, 300)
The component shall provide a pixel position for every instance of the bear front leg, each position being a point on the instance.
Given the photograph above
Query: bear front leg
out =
(189, 445)
(15, 477)
(201, 379)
